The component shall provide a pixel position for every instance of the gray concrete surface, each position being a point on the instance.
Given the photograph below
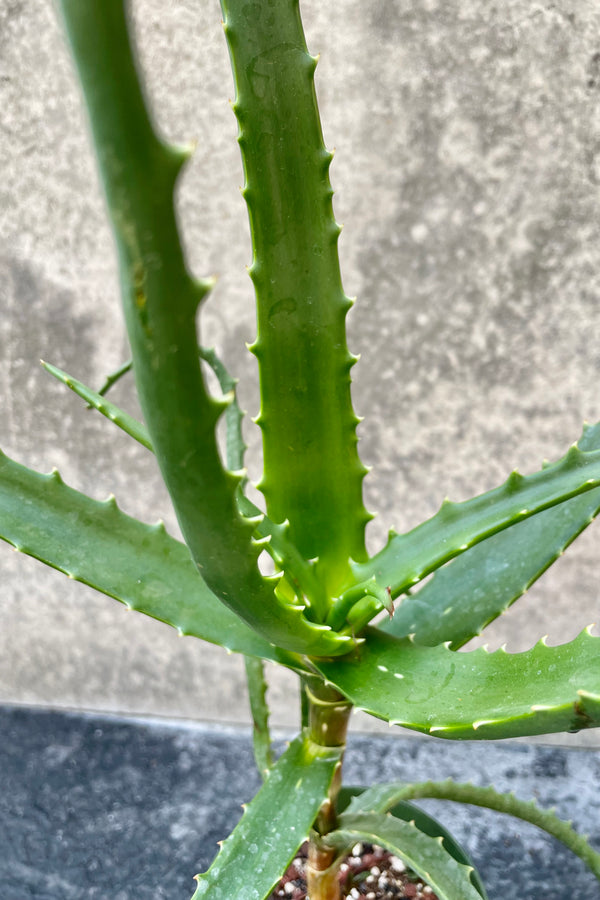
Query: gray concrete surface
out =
(110, 807)
(467, 171)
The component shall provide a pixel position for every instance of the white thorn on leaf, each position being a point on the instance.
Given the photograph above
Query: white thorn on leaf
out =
(481, 722)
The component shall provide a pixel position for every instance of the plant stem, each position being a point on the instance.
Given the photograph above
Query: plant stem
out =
(328, 714)
(261, 737)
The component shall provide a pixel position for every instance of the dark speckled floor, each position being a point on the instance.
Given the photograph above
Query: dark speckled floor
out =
(94, 807)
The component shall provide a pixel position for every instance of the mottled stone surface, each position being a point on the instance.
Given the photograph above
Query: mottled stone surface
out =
(92, 807)
(467, 171)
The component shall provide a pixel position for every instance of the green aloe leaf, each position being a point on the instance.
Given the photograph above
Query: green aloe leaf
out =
(425, 855)
(480, 584)
(258, 851)
(140, 565)
(161, 300)
(233, 414)
(236, 446)
(407, 558)
(364, 800)
(312, 472)
(272, 537)
(138, 431)
(255, 670)
(97, 401)
(473, 695)
(383, 797)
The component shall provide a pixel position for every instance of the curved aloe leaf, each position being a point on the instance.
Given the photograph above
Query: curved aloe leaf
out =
(161, 300)
(273, 826)
(407, 558)
(236, 446)
(274, 538)
(140, 565)
(480, 584)
(382, 797)
(255, 672)
(138, 431)
(351, 801)
(312, 473)
(473, 695)
(426, 855)
(123, 420)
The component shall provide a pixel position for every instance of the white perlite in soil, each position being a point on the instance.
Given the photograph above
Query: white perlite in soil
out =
(369, 873)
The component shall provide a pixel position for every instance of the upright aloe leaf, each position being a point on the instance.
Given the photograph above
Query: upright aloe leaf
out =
(475, 695)
(312, 473)
(480, 584)
(161, 301)
(273, 826)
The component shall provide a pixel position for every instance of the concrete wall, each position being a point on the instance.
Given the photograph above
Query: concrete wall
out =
(467, 171)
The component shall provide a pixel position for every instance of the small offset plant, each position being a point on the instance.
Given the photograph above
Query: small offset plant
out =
(352, 626)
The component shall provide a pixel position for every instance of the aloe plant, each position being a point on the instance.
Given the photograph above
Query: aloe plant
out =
(355, 628)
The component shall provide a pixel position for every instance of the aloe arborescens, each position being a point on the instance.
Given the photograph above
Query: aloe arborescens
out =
(318, 614)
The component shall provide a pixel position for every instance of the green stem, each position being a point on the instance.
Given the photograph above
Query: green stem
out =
(261, 737)
(328, 714)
